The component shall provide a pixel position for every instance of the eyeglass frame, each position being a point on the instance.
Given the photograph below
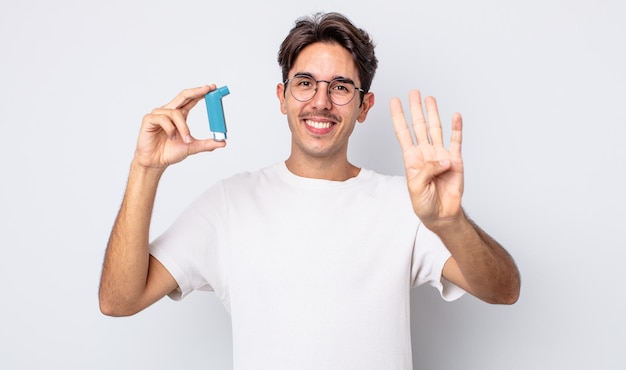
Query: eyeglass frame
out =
(327, 89)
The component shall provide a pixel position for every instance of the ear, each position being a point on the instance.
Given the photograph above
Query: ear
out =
(368, 103)
(280, 94)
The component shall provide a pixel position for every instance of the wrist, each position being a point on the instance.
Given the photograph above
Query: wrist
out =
(450, 225)
(145, 174)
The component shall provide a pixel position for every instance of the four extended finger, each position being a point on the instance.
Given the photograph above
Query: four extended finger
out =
(434, 123)
(456, 138)
(400, 126)
(420, 127)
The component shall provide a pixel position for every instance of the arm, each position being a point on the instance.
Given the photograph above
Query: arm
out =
(435, 177)
(479, 264)
(131, 278)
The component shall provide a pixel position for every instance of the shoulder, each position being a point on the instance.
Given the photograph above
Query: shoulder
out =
(251, 177)
(245, 183)
(381, 181)
(391, 190)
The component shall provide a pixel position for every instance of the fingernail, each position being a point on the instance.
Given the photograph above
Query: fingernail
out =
(188, 139)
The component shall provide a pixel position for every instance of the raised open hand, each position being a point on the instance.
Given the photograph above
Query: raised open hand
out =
(165, 139)
(434, 174)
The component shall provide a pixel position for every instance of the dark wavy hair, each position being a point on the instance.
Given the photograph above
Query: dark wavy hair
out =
(333, 28)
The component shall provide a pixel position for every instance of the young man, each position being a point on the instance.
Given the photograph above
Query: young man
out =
(313, 257)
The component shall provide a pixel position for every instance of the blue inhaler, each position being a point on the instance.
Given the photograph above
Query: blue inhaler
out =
(215, 110)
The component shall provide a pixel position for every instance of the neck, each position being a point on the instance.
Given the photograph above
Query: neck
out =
(322, 169)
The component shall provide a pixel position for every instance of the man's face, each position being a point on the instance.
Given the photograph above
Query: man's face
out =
(318, 127)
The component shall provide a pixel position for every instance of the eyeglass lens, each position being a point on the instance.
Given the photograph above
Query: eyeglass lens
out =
(341, 91)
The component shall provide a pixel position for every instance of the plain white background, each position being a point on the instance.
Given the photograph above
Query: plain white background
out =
(541, 86)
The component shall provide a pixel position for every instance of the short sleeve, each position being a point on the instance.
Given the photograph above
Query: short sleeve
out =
(429, 257)
(191, 249)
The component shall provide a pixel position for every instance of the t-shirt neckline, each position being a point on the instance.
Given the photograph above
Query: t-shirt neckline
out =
(296, 180)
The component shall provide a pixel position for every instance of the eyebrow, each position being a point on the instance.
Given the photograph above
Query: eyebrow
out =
(340, 78)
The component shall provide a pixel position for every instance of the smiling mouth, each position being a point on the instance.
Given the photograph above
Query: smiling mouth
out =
(318, 125)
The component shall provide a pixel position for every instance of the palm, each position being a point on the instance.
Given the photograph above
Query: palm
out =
(435, 190)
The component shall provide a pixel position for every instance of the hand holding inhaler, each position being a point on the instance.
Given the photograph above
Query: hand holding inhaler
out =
(215, 110)
(164, 137)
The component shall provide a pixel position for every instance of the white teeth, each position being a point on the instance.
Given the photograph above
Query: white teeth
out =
(318, 125)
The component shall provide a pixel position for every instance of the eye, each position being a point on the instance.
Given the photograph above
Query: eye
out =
(342, 86)
(303, 82)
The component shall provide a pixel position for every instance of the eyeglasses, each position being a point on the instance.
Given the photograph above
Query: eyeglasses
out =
(340, 90)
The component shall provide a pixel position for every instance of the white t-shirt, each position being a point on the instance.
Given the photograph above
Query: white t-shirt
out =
(316, 274)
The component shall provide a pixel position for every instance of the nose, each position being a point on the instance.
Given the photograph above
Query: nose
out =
(321, 99)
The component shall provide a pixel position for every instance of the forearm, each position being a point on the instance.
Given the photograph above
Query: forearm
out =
(486, 266)
(126, 262)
